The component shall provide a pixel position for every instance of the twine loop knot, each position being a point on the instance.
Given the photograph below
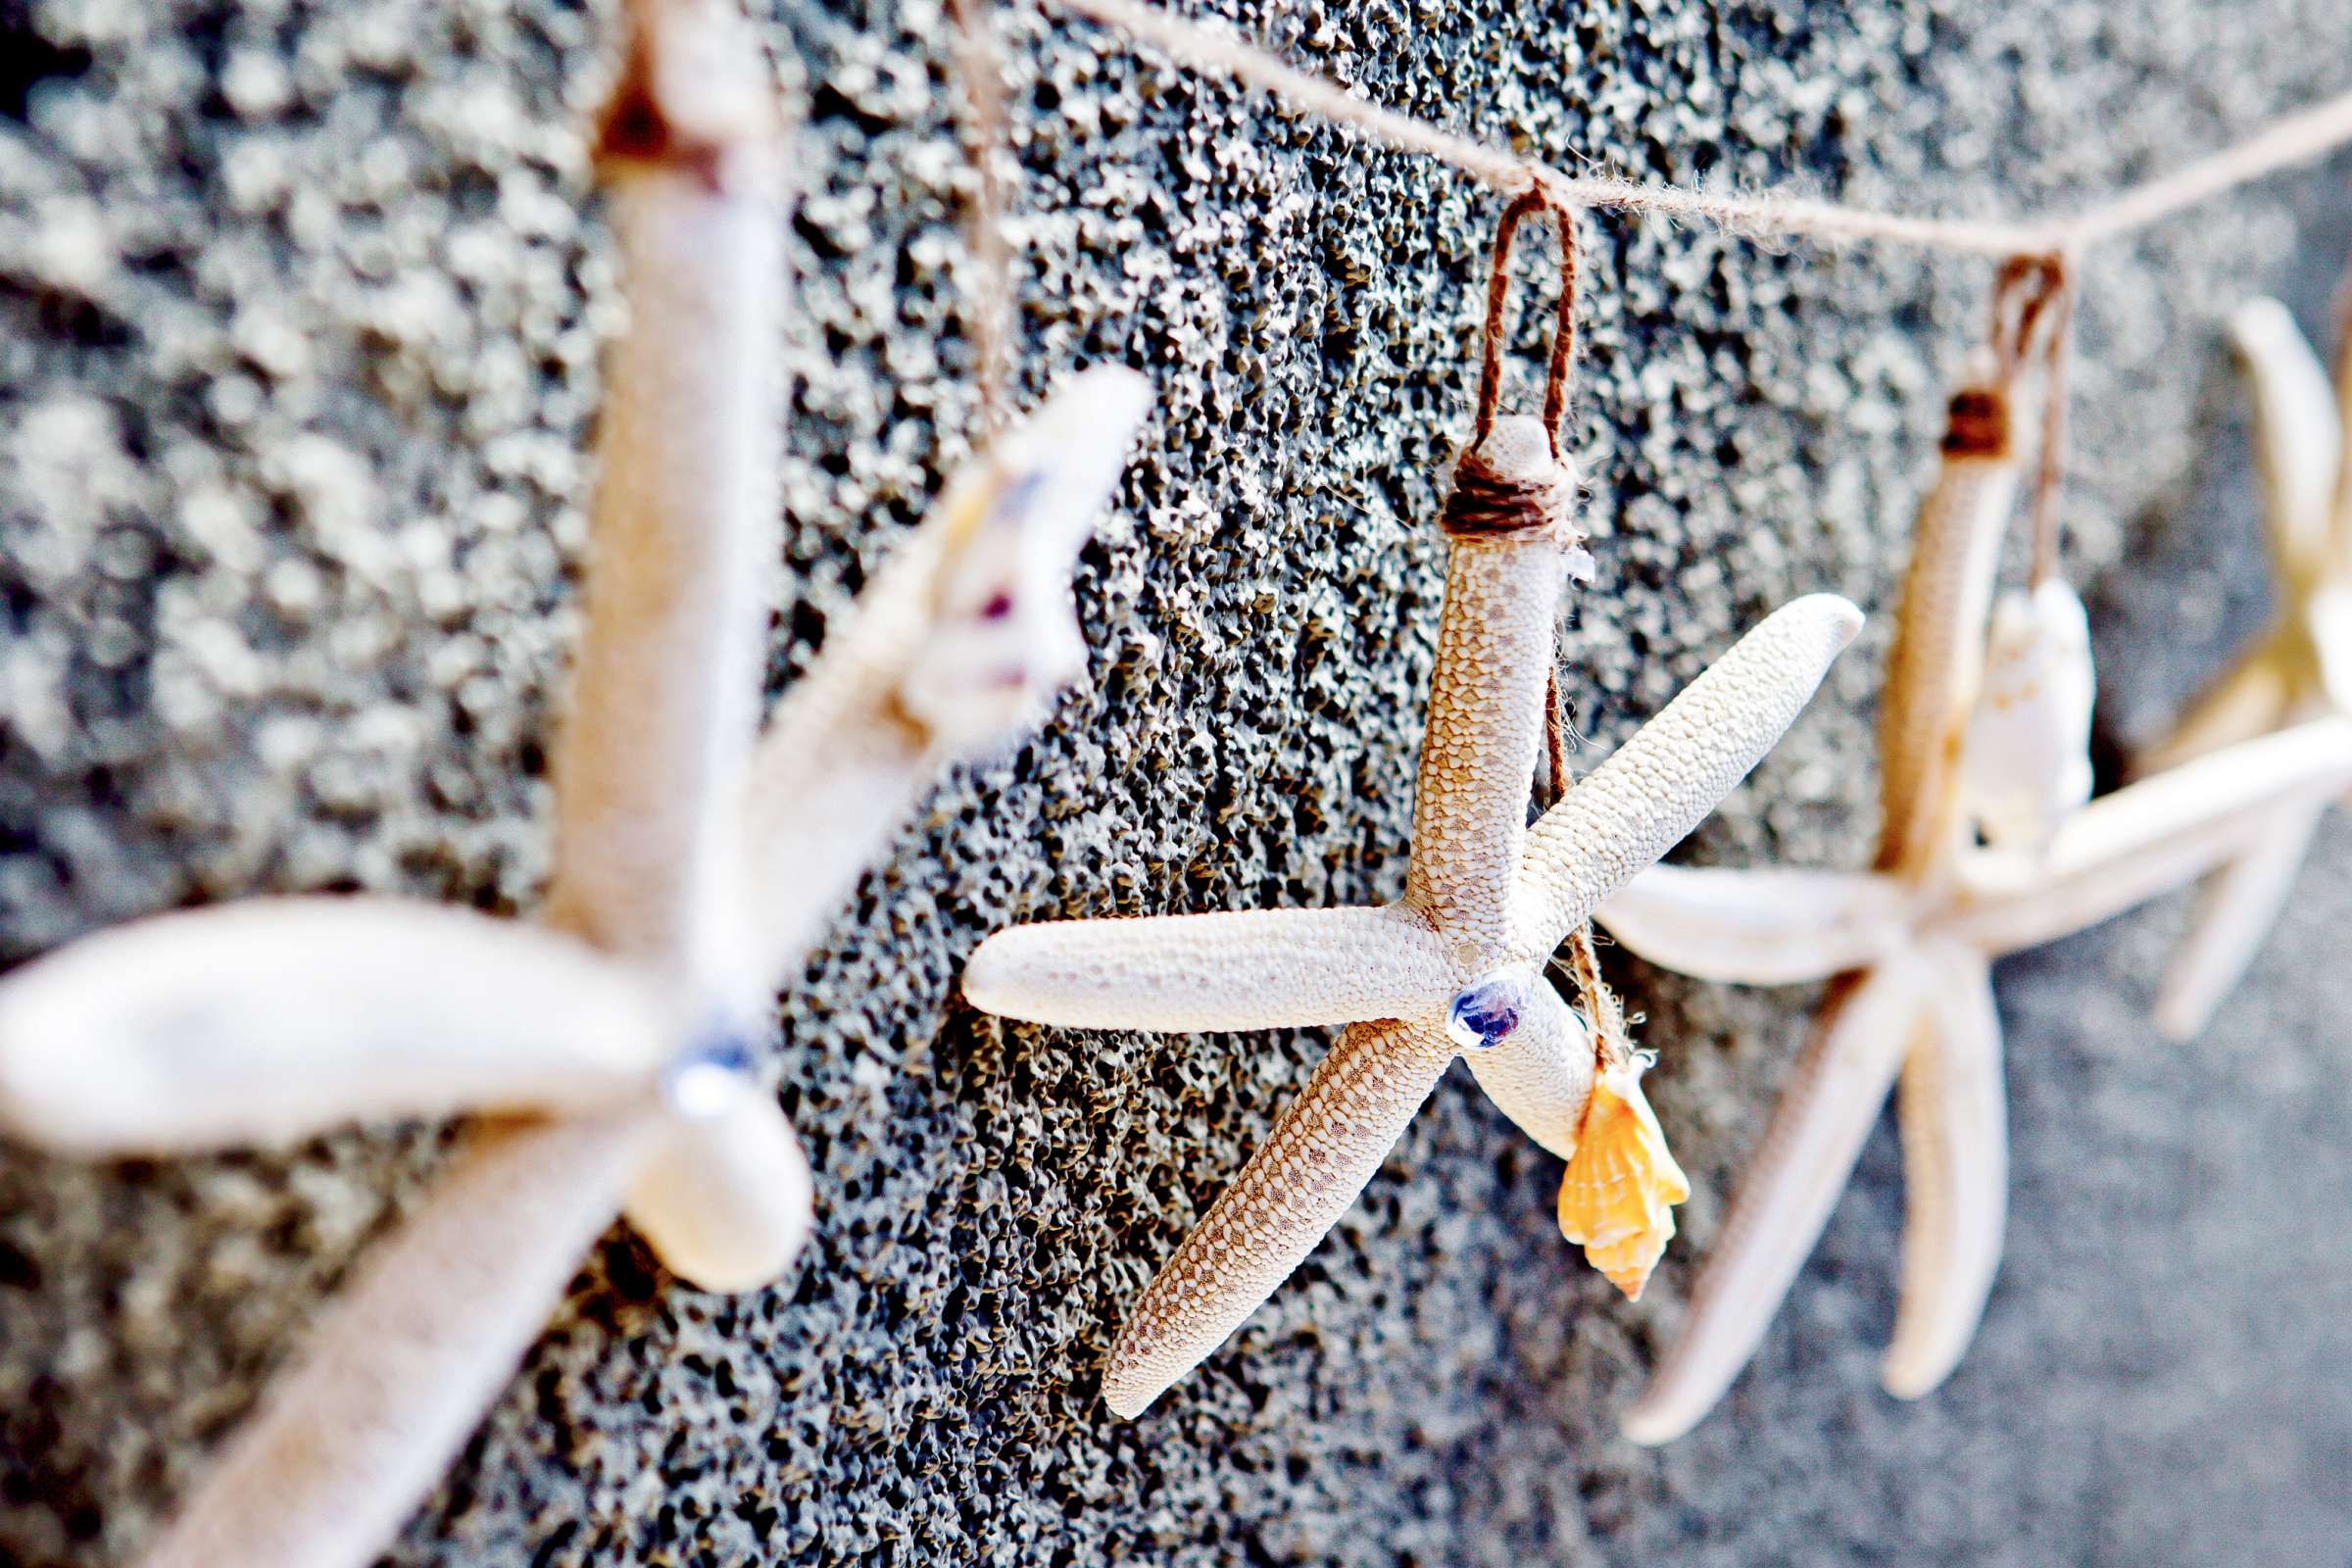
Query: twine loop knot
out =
(1511, 483)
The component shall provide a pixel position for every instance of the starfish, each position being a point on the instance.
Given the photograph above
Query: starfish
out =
(696, 862)
(1454, 968)
(2302, 669)
(1967, 748)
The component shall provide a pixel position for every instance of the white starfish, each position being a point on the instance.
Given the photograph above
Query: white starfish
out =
(693, 868)
(1457, 965)
(2300, 670)
(1911, 942)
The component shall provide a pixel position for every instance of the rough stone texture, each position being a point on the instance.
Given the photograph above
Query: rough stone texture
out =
(299, 315)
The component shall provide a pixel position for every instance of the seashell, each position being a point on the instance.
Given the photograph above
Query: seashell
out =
(2026, 766)
(724, 1197)
(1617, 1200)
(1004, 636)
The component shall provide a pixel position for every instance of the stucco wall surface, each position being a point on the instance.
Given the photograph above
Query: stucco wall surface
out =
(300, 314)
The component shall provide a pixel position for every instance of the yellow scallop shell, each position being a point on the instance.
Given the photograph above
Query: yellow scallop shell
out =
(1617, 1200)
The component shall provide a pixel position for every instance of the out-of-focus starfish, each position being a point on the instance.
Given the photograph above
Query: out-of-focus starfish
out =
(1457, 965)
(1910, 943)
(2302, 669)
(693, 867)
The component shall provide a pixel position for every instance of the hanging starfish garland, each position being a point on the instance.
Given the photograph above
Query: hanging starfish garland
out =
(1908, 944)
(693, 867)
(1455, 967)
(2301, 670)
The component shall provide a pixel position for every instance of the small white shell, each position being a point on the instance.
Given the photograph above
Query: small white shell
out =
(2026, 762)
(723, 1198)
(1005, 637)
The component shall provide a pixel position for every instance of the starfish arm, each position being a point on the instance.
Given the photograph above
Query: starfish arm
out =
(2296, 434)
(2250, 699)
(648, 763)
(1253, 970)
(1955, 1172)
(2146, 838)
(1664, 781)
(1938, 661)
(2237, 908)
(1763, 926)
(2327, 620)
(1496, 645)
(955, 651)
(270, 1020)
(1541, 1076)
(1786, 1196)
(1323, 1149)
(2338, 565)
(724, 1201)
(402, 1365)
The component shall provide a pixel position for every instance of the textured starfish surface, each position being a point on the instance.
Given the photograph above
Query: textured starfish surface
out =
(696, 861)
(2300, 670)
(1910, 943)
(1454, 968)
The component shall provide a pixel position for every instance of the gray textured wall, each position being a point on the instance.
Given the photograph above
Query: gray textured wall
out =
(299, 315)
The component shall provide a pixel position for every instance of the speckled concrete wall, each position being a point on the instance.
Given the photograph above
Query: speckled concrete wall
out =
(300, 308)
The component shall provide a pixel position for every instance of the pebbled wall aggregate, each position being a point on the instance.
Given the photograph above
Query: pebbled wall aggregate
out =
(300, 314)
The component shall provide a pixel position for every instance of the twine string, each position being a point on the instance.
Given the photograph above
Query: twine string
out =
(2296, 139)
(2032, 325)
(1555, 738)
(2049, 479)
(1536, 198)
(2292, 139)
(981, 105)
(2024, 294)
(1602, 1011)
(1494, 493)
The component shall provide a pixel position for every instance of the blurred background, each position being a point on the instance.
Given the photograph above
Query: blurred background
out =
(300, 314)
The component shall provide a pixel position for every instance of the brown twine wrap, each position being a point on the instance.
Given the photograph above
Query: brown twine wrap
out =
(1486, 502)
(1977, 424)
(647, 121)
